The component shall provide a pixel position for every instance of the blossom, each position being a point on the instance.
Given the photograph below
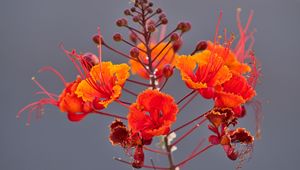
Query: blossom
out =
(72, 104)
(161, 55)
(229, 57)
(203, 70)
(103, 84)
(153, 114)
(67, 101)
(234, 92)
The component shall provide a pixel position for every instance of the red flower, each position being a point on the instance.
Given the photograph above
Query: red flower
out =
(234, 92)
(152, 114)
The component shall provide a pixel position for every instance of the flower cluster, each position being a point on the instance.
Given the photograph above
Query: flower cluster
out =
(215, 70)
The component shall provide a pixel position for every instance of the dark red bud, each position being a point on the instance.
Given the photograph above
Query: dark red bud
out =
(168, 71)
(96, 39)
(164, 21)
(188, 26)
(150, 4)
(134, 52)
(151, 28)
(121, 22)
(138, 157)
(174, 37)
(89, 60)
(177, 45)
(133, 37)
(158, 10)
(136, 18)
(149, 10)
(127, 12)
(161, 16)
(202, 45)
(117, 37)
(133, 9)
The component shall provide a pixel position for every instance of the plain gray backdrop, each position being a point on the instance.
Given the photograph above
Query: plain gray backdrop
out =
(30, 31)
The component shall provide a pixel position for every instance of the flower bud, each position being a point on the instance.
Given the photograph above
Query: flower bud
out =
(133, 37)
(117, 37)
(177, 45)
(133, 9)
(134, 52)
(136, 18)
(161, 16)
(150, 4)
(138, 157)
(151, 28)
(96, 39)
(149, 10)
(89, 60)
(202, 45)
(158, 10)
(127, 12)
(168, 71)
(121, 22)
(174, 37)
(164, 21)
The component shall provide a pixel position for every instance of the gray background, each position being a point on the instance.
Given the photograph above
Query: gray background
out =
(30, 31)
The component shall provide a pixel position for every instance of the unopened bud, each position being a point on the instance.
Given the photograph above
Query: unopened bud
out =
(133, 9)
(134, 52)
(149, 10)
(164, 21)
(158, 10)
(161, 16)
(174, 37)
(150, 4)
(133, 37)
(168, 71)
(117, 37)
(96, 39)
(138, 157)
(89, 60)
(202, 45)
(151, 28)
(127, 12)
(121, 22)
(177, 45)
(136, 18)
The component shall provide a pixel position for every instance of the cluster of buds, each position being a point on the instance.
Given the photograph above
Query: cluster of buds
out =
(214, 70)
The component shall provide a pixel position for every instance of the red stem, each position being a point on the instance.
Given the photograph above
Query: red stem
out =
(188, 132)
(109, 115)
(194, 155)
(144, 166)
(155, 151)
(187, 123)
(186, 96)
(182, 107)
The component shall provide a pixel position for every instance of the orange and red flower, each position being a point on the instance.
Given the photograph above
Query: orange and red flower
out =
(234, 92)
(229, 57)
(152, 114)
(203, 70)
(103, 84)
(70, 103)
